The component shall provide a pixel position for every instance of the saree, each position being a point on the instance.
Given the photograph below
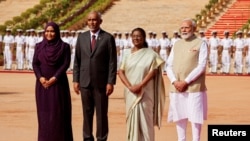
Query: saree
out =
(144, 110)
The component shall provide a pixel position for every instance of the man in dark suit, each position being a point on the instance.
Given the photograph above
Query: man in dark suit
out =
(94, 75)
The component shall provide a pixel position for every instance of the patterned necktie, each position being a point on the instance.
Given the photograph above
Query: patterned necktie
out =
(93, 41)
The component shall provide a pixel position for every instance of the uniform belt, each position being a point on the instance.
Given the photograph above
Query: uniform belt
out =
(19, 45)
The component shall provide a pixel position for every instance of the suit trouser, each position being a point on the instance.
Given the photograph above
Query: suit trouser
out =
(95, 99)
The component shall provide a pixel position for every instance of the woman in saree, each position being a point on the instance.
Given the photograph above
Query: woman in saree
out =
(144, 92)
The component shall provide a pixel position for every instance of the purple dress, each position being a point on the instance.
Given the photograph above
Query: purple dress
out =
(54, 103)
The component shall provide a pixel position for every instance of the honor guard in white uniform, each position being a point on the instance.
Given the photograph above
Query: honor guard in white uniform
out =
(164, 48)
(19, 44)
(8, 41)
(239, 46)
(121, 47)
(202, 36)
(26, 50)
(40, 35)
(67, 38)
(127, 44)
(74, 36)
(174, 38)
(213, 43)
(149, 40)
(227, 45)
(248, 53)
(156, 43)
(117, 44)
(31, 43)
(1, 44)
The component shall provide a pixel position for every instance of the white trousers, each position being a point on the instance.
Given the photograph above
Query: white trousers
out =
(191, 106)
(164, 56)
(72, 59)
(30, 57)
(181, 127)
(213, 58)
(226, 61)
(238, 62)
(248, 63)
(19, 57)
(7, 57)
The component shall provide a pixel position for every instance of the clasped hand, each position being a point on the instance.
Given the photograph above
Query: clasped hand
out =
(181, 86)
(136, 89)
(47, 83)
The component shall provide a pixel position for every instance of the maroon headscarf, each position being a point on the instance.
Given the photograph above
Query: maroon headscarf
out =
(52, 48)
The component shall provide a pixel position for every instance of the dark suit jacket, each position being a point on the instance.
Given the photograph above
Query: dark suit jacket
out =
(98, 67)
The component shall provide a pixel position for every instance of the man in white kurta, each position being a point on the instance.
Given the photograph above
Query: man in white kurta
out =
(186, 67)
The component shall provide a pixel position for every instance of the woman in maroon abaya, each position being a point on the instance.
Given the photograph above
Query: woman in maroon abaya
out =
(50, 63)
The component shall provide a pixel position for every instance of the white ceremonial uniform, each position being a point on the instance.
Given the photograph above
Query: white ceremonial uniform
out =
(26, 53)
(214, 43)
(204, 39)
(8, 41)
(73, 48)
(31, 42)
(20, 41)
(127, 45)
(239, 44)
(117, 43)
(150, 43)
(248, 56)
(39, 39)
(1, 41)
(156, 43)
(164, 45)
(227, 44)
(173, 40)
(67, 39)
(1, 38)
(121, 47)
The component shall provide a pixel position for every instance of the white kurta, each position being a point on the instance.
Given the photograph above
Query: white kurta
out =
(144, 110)
(191, 106)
